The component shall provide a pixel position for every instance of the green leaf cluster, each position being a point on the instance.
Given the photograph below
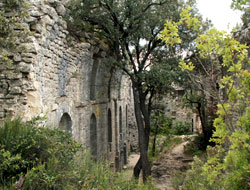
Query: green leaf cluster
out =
(228, 162)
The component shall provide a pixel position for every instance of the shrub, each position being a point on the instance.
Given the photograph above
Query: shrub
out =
(164, 124)
(25, 146)
(49, 159)
(196, 145)
(181, 128)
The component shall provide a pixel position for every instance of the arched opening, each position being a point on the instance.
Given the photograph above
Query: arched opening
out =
(126, 117)
(125, 154)
(109, 130)
(93, 136)
(66, 123)
(120, 122)
(93, 80)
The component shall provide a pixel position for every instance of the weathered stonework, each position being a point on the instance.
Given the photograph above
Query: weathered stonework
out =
(71, 84)
(175, 109)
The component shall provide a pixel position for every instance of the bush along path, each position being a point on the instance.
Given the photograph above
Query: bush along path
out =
(170, 163)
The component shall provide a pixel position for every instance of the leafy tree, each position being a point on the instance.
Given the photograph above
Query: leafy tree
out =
(228, 162)
(131, 29)
(244, 6)
(160, 125)
(203, 88)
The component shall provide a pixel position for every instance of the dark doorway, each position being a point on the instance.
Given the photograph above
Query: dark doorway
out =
(109, 130)
(66, 123)
(93, 136)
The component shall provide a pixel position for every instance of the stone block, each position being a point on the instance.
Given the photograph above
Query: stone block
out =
(10, 96)
(38, 28)
(11, 101)
(60, 9)
(29, 48)
(2, 114)
(62, 35)
(2, 76)
(27, 60)
(17, 83)
(17, 57)
(31, 19)
(54, 107)
(53, 14)
(63, 23)
(25, 68)
(28, 55)
(15, 90)
(36, 13)
(84, 46)
(46, 20)
(14, 76)
(48, 27)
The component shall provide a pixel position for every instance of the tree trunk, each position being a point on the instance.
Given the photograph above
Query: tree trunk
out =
(137, 169)
(143, 135)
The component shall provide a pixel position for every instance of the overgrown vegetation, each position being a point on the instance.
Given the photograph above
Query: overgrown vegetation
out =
(181, 128)
(227, 166)
(165, 134)
(50, 159)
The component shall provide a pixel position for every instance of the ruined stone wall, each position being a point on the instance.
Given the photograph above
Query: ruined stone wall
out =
(70, 82)
(175, 109)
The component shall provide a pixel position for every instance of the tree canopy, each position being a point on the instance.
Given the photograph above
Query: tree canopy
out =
(227, 166)
(131, 29)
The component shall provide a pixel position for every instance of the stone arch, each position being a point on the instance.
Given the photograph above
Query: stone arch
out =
(109, 130)
(120, 121)
(125, 154)
(93, 135)
(66, 123)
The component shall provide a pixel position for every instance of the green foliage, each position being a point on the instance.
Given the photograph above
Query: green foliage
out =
(124, 26)
(24, 146)
(240, 4)
(192, 180)
(181, 128)
(169, 142)
(196, 145)
(164, 124)
(170, 33)
(50, 159)
(227, 166)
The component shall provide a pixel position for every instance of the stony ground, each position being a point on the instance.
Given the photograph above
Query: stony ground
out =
(164, 168)
(169, 163)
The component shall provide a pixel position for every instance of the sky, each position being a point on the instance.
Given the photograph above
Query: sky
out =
(220, 13)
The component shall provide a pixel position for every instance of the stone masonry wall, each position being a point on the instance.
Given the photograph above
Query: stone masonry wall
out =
(175, 109)
(71, 83)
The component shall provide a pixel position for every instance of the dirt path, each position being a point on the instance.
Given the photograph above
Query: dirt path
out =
(164, 168)
(132, 160)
